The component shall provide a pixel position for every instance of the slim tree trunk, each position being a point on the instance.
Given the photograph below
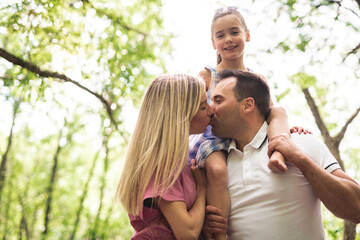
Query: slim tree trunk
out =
(23, 223)
(83, 197)
(102, 188)
(5, 156)
(51, 188)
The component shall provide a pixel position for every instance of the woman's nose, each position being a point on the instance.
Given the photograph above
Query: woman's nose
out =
(210, 111)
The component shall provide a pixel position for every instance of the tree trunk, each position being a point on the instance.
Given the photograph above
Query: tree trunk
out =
(82, 199)
(51, 189)
(333, 144)
(5, 156)
(96, 228)
(349, 230)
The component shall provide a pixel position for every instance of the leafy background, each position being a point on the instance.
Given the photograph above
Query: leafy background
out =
(73, 72)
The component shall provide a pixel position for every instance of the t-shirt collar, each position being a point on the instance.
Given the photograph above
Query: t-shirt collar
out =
(258, 140)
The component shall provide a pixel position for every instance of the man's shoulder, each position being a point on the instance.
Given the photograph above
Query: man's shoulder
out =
(313, 147)
(307, 141)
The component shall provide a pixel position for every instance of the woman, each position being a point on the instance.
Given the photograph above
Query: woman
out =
(165, 198)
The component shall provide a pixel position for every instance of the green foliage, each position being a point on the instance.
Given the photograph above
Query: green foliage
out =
(320, 52)
(105, 45)
(304, 41)
(304, 80)
(112, 48)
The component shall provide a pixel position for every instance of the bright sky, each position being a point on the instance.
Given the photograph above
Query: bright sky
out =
(190, 21)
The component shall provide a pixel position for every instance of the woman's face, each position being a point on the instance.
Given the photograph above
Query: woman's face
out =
(202, 118)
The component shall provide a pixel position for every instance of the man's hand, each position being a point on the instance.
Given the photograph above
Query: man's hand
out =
(286, 147)
(214, 222)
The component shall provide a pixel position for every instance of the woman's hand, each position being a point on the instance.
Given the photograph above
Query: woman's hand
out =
(198, 175)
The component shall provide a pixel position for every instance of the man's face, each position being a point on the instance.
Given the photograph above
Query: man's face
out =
(226, 109)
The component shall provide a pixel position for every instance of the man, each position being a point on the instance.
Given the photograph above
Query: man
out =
(266, 205)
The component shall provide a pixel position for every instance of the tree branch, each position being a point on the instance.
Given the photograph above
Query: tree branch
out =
(48, 74)
(341, 134)
(316, 114)
(117, 19)
(353, 51)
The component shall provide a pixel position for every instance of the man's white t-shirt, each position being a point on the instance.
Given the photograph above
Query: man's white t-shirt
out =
(267, 205)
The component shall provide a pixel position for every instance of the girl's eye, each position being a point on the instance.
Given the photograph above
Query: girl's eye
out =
(219, 36)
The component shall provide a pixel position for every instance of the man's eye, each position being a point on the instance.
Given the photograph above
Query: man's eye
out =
(219, 36)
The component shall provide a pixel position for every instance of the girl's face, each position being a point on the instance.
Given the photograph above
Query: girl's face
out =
(229, 37)
(201, 119)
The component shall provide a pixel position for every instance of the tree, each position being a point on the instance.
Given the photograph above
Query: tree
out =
(320, 43)
(82, 61)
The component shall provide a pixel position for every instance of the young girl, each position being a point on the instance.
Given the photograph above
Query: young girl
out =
(165, 198)
(229, 34)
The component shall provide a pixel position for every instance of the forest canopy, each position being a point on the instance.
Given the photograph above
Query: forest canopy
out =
(69, 69)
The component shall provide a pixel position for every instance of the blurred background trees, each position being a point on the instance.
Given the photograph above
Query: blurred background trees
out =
(70, 69)
(67, 70)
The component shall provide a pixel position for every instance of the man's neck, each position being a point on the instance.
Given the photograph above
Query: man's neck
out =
(248, 134)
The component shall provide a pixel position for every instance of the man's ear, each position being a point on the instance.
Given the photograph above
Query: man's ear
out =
(248, 105)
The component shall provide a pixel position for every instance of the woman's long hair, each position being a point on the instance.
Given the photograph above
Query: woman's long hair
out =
(160, 143)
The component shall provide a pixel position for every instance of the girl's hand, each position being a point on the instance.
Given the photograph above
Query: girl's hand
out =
(299, 130)
(198, 174)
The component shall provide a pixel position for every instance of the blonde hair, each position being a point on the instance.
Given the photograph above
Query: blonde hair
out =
(160, 143)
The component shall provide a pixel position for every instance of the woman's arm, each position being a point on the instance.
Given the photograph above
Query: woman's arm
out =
(187, 224)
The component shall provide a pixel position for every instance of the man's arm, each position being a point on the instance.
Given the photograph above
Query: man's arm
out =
(338, 191)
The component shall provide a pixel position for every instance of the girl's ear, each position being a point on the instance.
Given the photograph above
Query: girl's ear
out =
(248, 36)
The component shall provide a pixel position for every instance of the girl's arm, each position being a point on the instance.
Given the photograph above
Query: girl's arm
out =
(187, 224)
(205, 74)
(278, 124)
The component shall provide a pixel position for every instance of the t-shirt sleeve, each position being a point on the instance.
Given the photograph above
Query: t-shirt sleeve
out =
(316, 150)
(175, 193)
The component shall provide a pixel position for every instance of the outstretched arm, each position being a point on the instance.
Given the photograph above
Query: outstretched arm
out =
(338, 191)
